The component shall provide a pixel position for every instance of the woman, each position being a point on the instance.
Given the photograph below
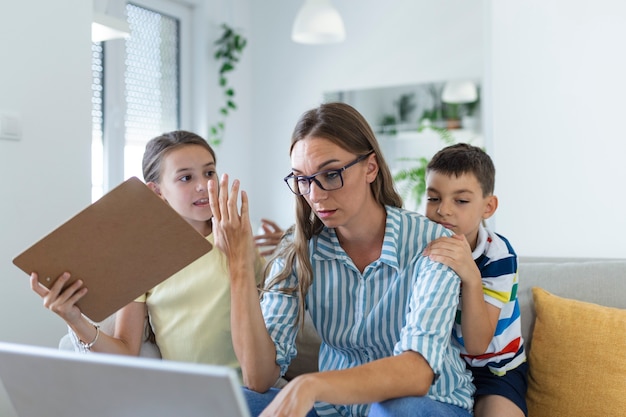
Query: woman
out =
(384, 311)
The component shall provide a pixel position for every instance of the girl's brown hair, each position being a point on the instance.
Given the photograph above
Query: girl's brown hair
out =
(158, 147)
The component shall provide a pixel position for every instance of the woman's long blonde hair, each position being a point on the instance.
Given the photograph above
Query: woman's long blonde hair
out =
(343, 125)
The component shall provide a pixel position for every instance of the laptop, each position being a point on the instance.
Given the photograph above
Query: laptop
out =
(46, 382)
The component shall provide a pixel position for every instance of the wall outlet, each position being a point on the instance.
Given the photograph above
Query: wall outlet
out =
(10, 127)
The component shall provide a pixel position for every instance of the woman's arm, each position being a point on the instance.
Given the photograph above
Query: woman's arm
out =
(232, 231)
(478, 318)
(407, 374)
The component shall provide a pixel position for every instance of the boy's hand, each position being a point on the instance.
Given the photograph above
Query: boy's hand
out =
(456, 253)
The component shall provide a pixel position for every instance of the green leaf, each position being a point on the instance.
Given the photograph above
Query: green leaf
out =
(226, 66)
(223, 81)
(229, 92)
(231, 104)
(240, 43)
(224, 111)
(412, 181)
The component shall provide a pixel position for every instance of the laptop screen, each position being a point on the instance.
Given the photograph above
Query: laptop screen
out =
(46, 382)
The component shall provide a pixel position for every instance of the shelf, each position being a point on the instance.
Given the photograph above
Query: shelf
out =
(412, 144)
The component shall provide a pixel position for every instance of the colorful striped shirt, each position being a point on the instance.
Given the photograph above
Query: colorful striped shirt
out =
(497, 263)
(402, 301)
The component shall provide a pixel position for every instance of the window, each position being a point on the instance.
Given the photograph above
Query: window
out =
(137, 90)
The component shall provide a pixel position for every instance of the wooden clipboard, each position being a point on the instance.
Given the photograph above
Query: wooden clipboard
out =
(120, 246)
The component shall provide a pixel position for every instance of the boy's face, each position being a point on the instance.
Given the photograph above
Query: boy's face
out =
(457, 203)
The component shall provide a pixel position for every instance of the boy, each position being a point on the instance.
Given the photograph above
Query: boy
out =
(459, 185)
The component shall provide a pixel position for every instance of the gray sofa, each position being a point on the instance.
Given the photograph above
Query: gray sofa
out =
(599, 281)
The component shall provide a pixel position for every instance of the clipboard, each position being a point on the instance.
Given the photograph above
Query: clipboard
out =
(121, 246)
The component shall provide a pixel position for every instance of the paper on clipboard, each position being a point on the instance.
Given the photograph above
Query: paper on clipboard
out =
(120, 246)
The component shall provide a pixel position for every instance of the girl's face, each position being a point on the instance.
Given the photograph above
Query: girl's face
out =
(457, 203)
(185, 172)
(345, 206)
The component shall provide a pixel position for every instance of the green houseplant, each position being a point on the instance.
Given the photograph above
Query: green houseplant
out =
(230, 46)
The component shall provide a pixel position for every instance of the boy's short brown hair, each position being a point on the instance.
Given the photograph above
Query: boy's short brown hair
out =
(463, 158)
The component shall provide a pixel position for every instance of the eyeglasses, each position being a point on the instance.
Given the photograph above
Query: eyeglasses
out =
(328, 180)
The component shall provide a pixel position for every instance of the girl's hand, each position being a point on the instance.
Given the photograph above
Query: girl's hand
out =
(231, 229)
(59, 300)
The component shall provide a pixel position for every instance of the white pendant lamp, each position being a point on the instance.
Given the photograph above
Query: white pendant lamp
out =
(318, 22)
(459, 92)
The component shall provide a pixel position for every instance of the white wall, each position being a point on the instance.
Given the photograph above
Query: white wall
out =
(553, 77)
(557, 95)
(46, 176)
(409, 42)
(45, 80)
(235, 151)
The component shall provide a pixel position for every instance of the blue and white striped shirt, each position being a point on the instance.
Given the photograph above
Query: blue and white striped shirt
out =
(402, 301)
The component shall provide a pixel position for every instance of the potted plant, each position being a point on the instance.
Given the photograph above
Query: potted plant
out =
(452, 113)
(469, 120)
(388, 125)
(405, 106)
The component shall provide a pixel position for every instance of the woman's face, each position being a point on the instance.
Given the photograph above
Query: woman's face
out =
(342, 207)
(185, 172)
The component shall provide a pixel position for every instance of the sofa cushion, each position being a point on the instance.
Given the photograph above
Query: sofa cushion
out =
(577, 362)
(600, 281)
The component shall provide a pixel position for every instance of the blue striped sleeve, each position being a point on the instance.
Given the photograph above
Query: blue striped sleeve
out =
(280, 311)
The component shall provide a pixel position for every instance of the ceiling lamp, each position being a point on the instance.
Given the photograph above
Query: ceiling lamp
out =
(318, 22)
(459, 92)
(105, 27)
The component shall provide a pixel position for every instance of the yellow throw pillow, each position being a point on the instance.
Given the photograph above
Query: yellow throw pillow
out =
(577, 359)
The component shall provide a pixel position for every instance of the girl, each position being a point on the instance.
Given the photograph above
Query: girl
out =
(189, 313)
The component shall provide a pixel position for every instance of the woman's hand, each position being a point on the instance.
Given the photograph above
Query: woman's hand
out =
(58, 299)
(231, 229)
(296, 399)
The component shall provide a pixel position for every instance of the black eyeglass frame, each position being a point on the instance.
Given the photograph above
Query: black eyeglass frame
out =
(311, 178)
